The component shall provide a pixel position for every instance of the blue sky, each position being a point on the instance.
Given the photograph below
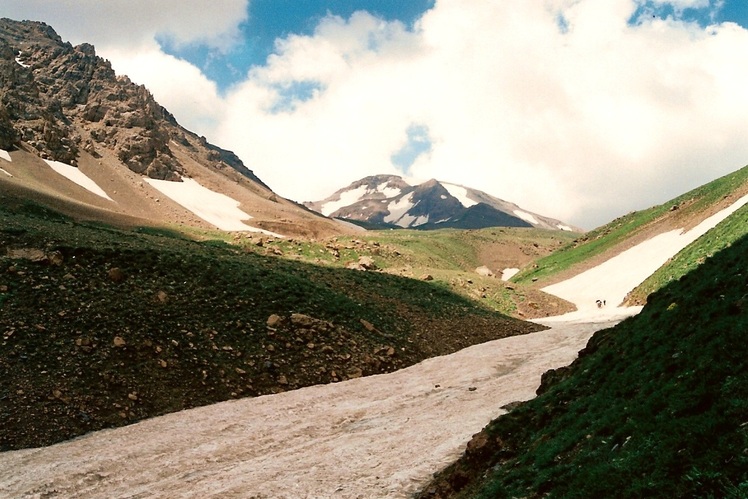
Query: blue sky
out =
(715, 12)
(269, 20)
(582, 110)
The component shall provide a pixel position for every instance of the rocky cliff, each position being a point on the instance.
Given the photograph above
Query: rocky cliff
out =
(57, 99)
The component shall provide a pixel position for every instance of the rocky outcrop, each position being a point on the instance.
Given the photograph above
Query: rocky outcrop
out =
(57, 99)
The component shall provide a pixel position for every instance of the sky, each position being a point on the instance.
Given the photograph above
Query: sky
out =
(582, 110)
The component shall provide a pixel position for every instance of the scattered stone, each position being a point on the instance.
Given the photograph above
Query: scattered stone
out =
(33, 254)
(162, 297)
(55, 258)
(116, 275)
(302, 320)
(472, 389)
(368, 325)
(428, 277)
(119, 342)
(132, 396)
(274, 320)
(163, 363)
(484, 271)
(282, 380)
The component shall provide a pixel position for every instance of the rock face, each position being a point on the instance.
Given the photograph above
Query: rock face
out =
(388, 201)
(57, 99)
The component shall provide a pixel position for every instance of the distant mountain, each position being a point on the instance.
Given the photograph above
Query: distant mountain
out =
(75, 134)
(382, 201)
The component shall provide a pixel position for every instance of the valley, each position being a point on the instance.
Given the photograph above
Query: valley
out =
(171, 327)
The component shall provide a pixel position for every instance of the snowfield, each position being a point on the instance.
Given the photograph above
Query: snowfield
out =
(379, 436)
(214, 207)
(459, 192)
(527, 217)
(613, 279)
(75, 175)
(346, 198)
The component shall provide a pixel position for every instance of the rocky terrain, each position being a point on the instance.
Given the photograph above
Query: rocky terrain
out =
(63, 103)
(58, 100)
(389, 201)
(101, 327)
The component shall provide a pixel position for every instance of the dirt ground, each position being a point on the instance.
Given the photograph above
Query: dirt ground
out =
(379, 436)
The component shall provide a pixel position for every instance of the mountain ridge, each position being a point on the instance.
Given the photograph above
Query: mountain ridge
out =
(63, 107)
(390, 201)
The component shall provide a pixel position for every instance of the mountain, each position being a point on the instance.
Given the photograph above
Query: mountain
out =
(75, 135)
(655, 407)
(389, 201)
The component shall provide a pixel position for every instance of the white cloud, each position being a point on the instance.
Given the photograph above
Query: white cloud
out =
(125, 32)
(132, 22)
(177, 85)
(583, 125)
(558, 105)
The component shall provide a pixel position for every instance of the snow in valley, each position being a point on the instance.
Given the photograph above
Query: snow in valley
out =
(380, 436)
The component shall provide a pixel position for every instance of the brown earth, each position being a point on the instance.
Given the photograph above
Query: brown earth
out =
(103, 327)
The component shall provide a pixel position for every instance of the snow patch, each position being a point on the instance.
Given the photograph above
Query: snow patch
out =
(527, 217)
(614, 278)
(443, 196)
(459, 192)
(5, 155)
(507, 274)
(398, 209)
(346, 198)
(18, 61)
(420, 221)
(565, 227)
(389, 192)
(74, 174)
(214, 207)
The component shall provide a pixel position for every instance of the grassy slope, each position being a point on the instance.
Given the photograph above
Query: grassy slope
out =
(655, 407)
(187, 325)
(621, 229)
(448, 256)
(717, 239)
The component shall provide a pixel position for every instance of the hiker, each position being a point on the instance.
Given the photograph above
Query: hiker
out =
(599, 303)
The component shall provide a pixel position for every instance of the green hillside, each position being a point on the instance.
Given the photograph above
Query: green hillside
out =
(655, 407)
(103, 326)
(677, 213)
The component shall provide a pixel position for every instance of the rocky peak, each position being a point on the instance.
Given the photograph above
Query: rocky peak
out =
(57, 99)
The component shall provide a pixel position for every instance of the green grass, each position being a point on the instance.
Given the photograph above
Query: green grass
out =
(655, 407)
(449, 256)
(193, 311)
(608, 236)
